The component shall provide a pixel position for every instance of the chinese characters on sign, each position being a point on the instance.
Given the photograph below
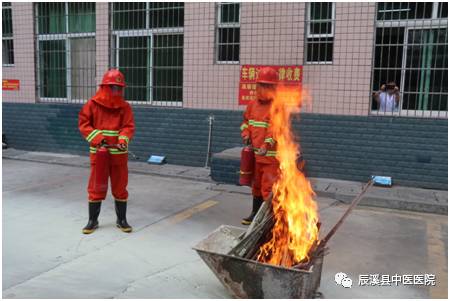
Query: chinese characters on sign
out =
(288, 75)
(396, 280)
(10, 84)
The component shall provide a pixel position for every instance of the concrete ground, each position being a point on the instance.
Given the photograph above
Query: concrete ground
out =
(46, 256)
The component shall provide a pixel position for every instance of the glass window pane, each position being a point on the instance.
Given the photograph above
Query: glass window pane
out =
(404, 10)
(443, 10)
(321, 11)
(388, 57)
(8, 52)
(51, 18)
(319, 50)
(82, 17)
(426, 70)
(228, 53)
(167, 75)
(320, 28)
(7, 29)
(389, 47)
(129, 15)
(52, 68)
(229, 13)
(82, 73)
(166, 14)
(229, 35)
(134, 62)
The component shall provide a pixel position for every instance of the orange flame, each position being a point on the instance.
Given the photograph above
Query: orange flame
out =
(295, 212)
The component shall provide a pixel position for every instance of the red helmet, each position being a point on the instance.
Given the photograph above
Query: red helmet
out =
(267, 75)
(113, 77)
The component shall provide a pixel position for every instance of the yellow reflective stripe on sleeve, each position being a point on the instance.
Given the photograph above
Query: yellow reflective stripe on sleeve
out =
(269, 140)
(244, 126)
(261, 124)
(92, 150)
(110, 133)
(92, 135)
(124, 138)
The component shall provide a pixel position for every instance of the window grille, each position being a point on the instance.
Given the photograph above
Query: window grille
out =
(411, 51)
(65, 44)
(320, 32)
(228, 33)
(7, 35)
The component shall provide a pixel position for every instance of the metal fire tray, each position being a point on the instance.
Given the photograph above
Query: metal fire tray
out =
(245, 278)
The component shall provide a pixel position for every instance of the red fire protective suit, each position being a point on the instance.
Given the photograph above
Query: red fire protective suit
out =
(109, 118)
(256, 126)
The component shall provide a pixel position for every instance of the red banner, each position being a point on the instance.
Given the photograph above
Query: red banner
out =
(287, 75)
(10, 84)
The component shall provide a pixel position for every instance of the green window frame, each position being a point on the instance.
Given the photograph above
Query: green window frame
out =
(65, 42)
(147, 46)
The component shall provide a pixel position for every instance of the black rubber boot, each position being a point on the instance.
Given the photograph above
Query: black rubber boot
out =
(257, 202)
(94, 212)
(121, 211)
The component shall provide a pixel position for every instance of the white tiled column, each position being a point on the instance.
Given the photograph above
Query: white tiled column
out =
(102, 39)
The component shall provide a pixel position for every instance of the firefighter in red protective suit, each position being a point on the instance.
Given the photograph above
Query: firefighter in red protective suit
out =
(256, 130)
(108, 119)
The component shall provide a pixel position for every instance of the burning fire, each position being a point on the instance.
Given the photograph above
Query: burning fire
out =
(295, 230)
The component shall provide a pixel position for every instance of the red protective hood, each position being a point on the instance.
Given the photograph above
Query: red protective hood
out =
(103, 97)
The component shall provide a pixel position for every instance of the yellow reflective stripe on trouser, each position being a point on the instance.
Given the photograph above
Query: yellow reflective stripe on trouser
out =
(244, 126)
(115, 151)
(112, 151)
(92, 135)
(124, 138)
(261, 124)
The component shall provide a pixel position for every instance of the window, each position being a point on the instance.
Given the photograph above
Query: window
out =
(442, 10)
(7, 35)
(412, 52)
(228, 33)
(148, 48)
(66, 51)
(320, 23)
(404, 10)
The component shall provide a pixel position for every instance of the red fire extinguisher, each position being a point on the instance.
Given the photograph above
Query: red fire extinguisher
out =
(247, 166)
(102, 162)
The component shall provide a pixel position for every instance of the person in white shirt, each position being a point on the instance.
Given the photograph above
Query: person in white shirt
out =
(388, 98)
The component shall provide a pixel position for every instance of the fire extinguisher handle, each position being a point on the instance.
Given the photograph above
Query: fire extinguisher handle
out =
(107, 145)
(103, 143)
